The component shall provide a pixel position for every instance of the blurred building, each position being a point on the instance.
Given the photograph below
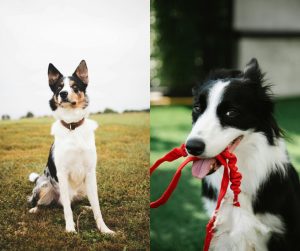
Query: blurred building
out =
(190, 40)
(270, 31)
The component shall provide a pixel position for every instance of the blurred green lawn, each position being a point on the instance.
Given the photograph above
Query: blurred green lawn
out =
(180, 224)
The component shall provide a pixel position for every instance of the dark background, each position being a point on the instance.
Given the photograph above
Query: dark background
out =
(192, 37)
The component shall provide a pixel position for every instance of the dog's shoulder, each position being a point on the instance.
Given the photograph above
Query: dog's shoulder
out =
(92, 124)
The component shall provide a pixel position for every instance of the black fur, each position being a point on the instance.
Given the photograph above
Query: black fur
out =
(57, 85)
(208, 191)
(34, 198)
(50, 170)
(79, 83)
(280, 195)
(55, 78)
(52, 104)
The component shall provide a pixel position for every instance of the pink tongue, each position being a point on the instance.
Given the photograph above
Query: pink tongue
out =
(202, 167)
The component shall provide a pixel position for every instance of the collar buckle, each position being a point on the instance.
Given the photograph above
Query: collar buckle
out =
(72, 126)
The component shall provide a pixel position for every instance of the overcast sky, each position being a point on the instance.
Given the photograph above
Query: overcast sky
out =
(112, 36)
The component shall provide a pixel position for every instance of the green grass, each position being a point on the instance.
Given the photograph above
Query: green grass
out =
(123, 183)
(180, 224)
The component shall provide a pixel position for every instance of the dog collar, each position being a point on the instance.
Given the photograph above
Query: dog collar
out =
(73, 125)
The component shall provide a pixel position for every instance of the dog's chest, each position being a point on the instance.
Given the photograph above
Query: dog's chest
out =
(75, 152)
(239, 229)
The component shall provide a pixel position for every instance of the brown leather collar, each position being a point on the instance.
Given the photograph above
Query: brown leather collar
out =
(72, 126)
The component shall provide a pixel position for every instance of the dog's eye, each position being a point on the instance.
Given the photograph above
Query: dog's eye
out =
(232, 113)
(197, 109)
(75, 89)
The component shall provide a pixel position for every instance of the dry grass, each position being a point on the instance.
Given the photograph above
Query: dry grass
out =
(123, 183)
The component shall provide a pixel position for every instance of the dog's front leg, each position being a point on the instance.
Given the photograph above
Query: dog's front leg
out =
(65, 201)
(91, 190)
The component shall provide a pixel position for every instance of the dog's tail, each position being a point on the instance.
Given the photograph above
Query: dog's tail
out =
(33, 177)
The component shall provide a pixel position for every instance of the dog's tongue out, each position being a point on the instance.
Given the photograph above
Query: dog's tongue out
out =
(202, 167)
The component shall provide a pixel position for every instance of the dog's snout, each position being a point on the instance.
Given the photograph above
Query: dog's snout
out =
(195, 146)
(63, 94)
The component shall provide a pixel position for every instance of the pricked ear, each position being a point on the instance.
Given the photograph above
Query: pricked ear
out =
(82, 72)
(253, 72)
(53, 74)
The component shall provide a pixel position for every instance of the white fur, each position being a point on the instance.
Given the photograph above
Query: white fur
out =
(34, 210)
(209, 206)
(70, 115)
(239, 228)
(75, 159)
(66, 88)
(33, 177)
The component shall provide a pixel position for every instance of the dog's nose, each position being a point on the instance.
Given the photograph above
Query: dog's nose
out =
(195, 146)
(63, 94)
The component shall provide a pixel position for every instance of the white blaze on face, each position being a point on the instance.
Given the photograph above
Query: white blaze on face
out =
(66, 88)
(208, 128)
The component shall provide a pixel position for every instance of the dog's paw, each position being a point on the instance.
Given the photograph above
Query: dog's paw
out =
(70, 228)
(34, 210)
(106, 230)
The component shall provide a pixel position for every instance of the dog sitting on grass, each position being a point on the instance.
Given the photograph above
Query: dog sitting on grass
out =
(70, 173)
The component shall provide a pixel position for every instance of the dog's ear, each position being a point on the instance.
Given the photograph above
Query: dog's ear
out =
(82, 72)
(252, 71)
(53, 75)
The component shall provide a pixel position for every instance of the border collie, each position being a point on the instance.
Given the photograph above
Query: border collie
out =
(70, 173)
(234, 109)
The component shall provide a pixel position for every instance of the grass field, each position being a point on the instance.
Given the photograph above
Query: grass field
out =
(180, 224)
(123, 183)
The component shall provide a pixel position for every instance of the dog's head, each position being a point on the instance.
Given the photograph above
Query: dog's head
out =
(69, 92)
(229, 105)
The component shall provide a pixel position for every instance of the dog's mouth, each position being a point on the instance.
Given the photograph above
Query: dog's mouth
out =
(67, 101)
(204, 167)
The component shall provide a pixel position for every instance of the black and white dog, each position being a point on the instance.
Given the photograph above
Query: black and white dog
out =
(234, 108)
(71, 169)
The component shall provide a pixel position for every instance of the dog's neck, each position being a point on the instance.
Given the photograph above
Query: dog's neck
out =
(256, 158)
(70, 115)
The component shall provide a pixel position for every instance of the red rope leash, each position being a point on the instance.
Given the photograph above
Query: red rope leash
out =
(226, 158)
(170, 156)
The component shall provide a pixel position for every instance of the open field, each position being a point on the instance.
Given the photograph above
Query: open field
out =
(180, 224)
(123, 184)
